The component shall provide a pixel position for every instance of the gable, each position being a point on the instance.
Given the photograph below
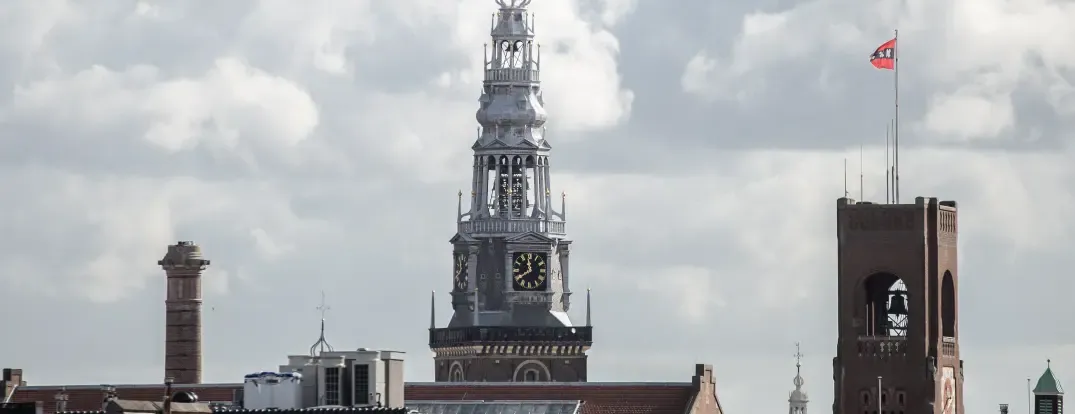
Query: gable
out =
(462, 238)
(531, 237)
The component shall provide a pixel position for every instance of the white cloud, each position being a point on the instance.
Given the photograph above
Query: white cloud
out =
(966, 115)
(231, 102)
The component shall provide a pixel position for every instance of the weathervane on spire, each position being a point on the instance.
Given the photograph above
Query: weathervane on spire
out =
(322, 344)
(798, 398)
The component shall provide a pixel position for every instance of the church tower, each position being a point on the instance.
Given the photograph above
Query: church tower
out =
(1048, 395)
(510, 254)
(798, 399)
(898, 345)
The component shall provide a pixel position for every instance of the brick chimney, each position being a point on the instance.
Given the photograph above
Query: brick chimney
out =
(183, 266)
(12, 378)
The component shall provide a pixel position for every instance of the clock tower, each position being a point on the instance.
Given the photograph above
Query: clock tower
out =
(510, 254)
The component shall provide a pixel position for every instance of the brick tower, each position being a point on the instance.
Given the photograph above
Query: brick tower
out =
(183, 265)
(898, 346)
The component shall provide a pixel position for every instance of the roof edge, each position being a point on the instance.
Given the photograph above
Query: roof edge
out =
(548, 384)
(128, 386)
(406, 384)
(448, 402)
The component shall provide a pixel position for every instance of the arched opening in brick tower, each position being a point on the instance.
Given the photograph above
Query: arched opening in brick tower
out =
(948, 305)
(886, 306)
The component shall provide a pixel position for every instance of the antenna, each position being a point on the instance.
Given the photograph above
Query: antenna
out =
(845, 177)
(798, 355)
(861, 179)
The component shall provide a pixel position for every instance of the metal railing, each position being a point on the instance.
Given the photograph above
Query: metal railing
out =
(481, 335)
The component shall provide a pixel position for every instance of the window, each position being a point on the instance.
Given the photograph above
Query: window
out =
(456, 375)
(531, 375)
(362, 384)
(332, 386)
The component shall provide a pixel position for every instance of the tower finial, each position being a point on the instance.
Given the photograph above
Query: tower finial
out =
(798, 367)
(433, 310)
(322, 344)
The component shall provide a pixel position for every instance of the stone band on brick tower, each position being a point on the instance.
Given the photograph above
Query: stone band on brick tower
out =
(183, 265)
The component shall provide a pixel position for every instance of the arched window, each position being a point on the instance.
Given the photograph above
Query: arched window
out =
(456, 373)
(532, 371)
(948, 305)
(886, 300)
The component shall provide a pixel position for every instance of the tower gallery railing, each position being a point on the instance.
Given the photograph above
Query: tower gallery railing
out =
(480, 226)
(481, 335)
(512, 75)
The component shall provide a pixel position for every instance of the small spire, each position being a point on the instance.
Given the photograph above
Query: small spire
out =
(433, 310)
(588, 306)
(798, 381)
(322, 344)
(563, 205)
(477, 322)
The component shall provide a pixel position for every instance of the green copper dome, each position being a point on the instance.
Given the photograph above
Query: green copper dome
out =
(1047, 384)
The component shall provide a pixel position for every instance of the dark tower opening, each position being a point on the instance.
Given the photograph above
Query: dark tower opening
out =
(886, 305)
(948, 306)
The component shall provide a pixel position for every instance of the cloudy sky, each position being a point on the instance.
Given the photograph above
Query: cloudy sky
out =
(319, 145)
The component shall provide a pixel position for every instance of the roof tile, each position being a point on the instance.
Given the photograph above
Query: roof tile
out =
(597, 398)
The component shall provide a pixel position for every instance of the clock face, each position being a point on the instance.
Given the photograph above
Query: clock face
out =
(529, 271)
(460, 271)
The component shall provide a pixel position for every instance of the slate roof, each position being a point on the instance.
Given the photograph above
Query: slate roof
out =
(596, 397)
(319, 410)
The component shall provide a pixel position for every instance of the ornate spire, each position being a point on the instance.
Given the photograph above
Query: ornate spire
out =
(511, 154)
(321, 345)
(798, 399)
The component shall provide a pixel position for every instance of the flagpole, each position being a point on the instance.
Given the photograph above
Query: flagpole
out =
(896, 75)
(888, 159)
